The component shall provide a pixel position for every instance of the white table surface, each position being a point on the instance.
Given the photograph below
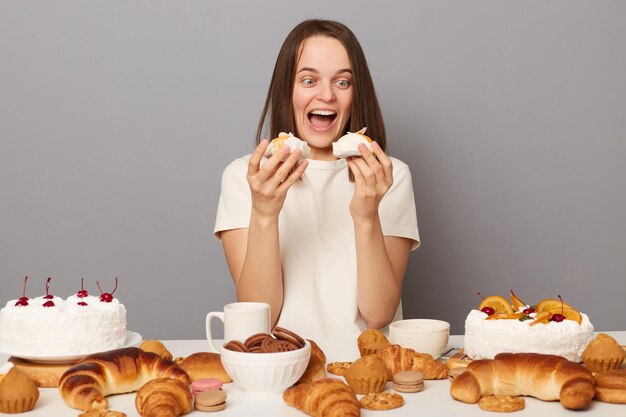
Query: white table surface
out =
(433, 401)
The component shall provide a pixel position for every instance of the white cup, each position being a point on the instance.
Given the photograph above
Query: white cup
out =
(422, 335)
(241, 320)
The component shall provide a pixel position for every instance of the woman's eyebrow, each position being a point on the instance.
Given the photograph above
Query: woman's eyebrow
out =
(308, 69)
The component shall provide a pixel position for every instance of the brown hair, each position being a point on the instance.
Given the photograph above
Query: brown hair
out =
(277, 112)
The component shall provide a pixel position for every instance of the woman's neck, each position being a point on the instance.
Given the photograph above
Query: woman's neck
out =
(322, 154)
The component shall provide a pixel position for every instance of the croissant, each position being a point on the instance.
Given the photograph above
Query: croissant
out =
(316, 369)
(163, 397)
(86, 384)
(157, 347)
(397, 358)
(328, 397)
(547, 377)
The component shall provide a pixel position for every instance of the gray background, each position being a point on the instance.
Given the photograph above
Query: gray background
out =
(118, 117)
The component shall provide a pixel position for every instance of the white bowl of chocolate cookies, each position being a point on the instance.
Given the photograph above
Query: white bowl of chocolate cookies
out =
(266, 364)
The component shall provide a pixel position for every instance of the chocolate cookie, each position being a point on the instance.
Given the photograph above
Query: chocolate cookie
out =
(256, 340)
(284, 334)
(236, 346)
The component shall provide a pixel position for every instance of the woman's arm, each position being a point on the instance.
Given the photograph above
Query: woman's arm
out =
(381, 261)
(253, 254)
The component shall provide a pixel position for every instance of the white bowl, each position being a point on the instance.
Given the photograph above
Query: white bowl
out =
(422, 335)
(266, 373)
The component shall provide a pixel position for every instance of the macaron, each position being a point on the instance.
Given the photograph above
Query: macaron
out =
(210, 400)
(408, 381)
(205, 384)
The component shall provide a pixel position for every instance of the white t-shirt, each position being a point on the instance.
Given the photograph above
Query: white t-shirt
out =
(317, 242)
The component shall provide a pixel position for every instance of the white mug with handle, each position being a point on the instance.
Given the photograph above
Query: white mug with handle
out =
(241, 320)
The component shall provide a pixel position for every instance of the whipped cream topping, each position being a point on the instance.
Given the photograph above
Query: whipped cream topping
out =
(290, 140)
(348, 144)
(63, 329)
(486, 338)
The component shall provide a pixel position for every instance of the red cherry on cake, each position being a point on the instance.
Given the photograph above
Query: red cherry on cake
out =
(83, 292)
(528, 310)
(23, 300)
(556, 316)
(48, 296)
(488, 311)
(106, 297)
(82, 303)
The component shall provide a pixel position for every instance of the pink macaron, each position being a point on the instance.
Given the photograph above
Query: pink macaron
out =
(205, 384)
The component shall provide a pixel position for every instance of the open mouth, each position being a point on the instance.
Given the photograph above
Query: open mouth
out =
(322, 119)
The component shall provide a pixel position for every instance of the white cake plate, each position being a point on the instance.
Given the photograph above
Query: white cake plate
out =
(132, 339)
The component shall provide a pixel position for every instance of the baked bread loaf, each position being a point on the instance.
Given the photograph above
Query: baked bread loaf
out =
(86, 384)
(164, 397)
(546, 377)
(397, 358)
(201, 365)
(328, 397)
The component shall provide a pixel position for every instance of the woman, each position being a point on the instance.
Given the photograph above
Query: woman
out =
(324, 241)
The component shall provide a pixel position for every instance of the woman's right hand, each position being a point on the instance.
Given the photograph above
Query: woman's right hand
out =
(269, 183)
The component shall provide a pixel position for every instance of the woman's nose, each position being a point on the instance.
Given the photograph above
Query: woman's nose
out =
(326, 92)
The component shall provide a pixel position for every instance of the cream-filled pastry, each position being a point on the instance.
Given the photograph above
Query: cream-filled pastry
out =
(348, 144)
(290, 140)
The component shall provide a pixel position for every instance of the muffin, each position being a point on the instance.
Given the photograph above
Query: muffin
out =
(368, 374)
(372, 341)
(18, 392)
(603, 353)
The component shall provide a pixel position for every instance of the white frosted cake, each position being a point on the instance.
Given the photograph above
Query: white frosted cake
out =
(485, 338)
(348, 144)
(290, 140)
(75, 326)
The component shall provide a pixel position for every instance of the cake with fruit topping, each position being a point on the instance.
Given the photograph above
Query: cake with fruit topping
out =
(50, 326)
(550, 327)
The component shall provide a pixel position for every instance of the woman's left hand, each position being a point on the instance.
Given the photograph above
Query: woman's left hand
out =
(373, 176)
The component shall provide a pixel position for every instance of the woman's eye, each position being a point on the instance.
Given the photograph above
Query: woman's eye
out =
(308, 81)
(343, 83)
